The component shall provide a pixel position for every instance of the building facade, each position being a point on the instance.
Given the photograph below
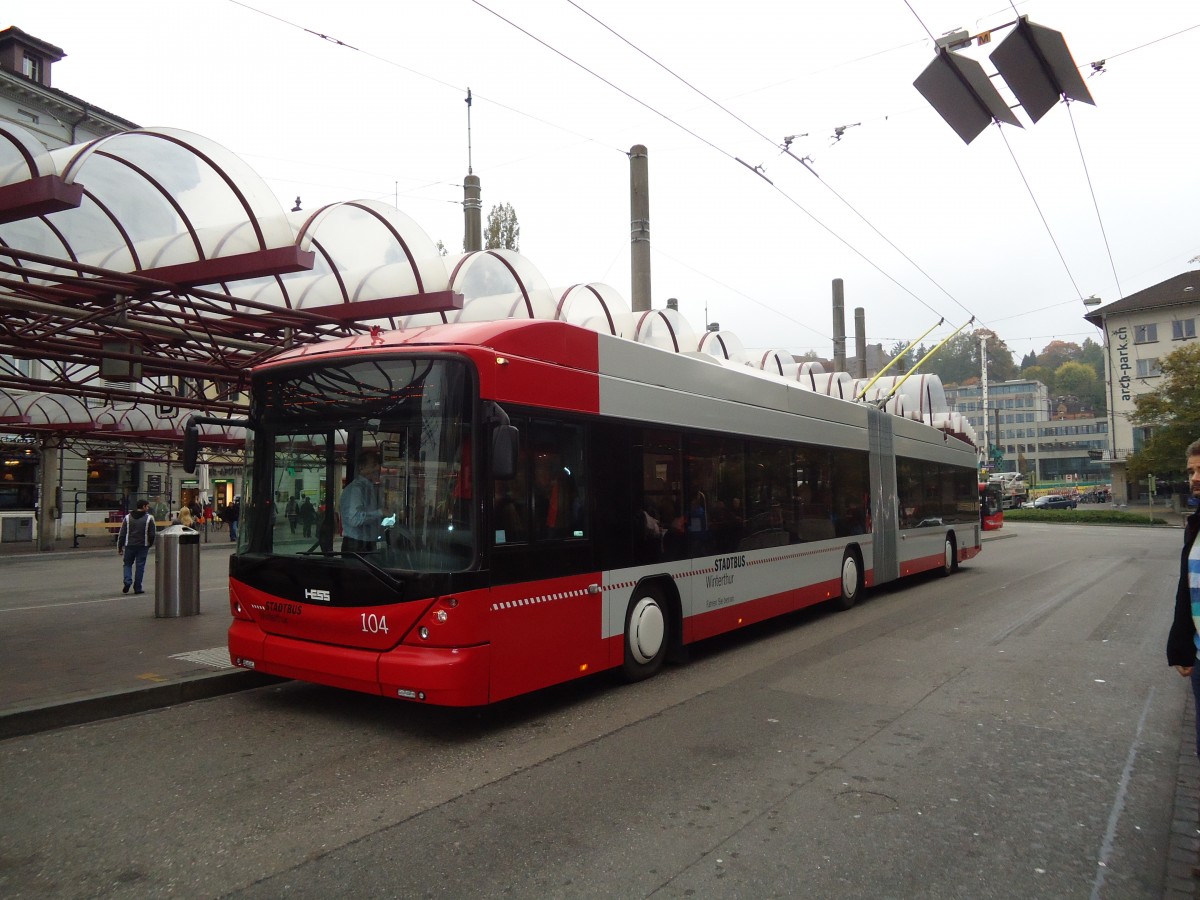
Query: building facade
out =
(1139, 330)
(1048, 440)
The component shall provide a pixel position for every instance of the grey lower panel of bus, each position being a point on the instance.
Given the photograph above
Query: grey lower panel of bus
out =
(883, 489)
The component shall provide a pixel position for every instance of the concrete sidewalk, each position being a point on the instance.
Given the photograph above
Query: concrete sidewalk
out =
(99, 653)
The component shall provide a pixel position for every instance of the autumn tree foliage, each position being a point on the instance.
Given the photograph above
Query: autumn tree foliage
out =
(1172, 412)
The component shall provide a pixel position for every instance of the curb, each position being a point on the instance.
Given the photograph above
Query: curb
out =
(49, 716)
(1184, 840)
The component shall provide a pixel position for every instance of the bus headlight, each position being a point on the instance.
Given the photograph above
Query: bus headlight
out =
(423, 632)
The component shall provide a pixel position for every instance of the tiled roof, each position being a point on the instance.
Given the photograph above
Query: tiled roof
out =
(1182, 289)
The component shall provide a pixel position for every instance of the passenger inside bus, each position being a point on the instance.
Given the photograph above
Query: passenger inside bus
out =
(362, 518)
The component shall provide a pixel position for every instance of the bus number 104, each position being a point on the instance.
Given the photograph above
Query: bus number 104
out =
(374, 624)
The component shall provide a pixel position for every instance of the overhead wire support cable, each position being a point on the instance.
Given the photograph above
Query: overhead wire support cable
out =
(757, 169)
(669, 71)
(597, 75)
(454, 87)
(883, 236)
(1095, 203)
(1041, 215)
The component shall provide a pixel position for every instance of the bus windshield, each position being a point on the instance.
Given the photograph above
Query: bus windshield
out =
(367, 459)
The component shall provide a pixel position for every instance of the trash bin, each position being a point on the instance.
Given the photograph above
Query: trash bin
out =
(176, 572)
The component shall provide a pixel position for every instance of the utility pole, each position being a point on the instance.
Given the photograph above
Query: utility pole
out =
(987, 447)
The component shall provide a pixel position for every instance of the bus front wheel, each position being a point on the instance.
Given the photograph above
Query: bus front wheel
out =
(852, 580)
(645, 635)
(950, 560)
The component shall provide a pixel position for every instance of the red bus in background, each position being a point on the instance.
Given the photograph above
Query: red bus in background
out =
(561, 502)
(991, 507)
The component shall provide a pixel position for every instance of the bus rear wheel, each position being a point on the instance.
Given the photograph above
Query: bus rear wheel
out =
(645, 635)
(852, 580)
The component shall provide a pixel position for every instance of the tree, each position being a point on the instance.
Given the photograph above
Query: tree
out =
(1055, 353)
(503, 231)
(905, 362)
(1029, 359)
(441, 248)
(1173, 412)
(1092, 354)
(958, 359)
(1079, 380)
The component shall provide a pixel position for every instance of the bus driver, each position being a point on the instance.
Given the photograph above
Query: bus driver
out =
(362, 518)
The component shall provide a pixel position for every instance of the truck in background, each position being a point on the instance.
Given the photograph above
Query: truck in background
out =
(1011, 487)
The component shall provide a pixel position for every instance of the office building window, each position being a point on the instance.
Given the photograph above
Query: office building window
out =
(1145, 334)
(1183, 329)
(1148, 368)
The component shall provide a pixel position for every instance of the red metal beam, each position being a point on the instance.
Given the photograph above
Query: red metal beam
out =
(276, 261)
(37, 197)
(387, 307)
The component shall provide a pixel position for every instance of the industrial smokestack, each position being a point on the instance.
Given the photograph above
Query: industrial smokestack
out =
(472, 215)
(639, 228)
(860, 342)
(839, 326)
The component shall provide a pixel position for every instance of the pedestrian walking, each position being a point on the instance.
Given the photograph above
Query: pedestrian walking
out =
(308, 516)
(134, 541)
(233, 512)
(1183, 643)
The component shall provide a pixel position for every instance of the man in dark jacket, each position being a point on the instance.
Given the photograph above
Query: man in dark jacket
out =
(1182, 643)
(134, 541)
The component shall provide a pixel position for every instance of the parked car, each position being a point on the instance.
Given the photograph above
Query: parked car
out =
(1052, 501)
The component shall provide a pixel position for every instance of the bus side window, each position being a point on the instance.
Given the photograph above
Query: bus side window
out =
(559, 501)
(510, 509)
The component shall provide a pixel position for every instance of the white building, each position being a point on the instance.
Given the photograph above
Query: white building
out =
(1139, 330)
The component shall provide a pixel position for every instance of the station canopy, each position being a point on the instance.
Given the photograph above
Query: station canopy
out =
(146, 272)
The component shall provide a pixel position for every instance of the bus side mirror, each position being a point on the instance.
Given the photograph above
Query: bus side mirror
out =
(191, 445)
(505, 441)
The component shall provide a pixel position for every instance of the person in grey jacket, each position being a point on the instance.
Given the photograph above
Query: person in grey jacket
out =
(134, 541)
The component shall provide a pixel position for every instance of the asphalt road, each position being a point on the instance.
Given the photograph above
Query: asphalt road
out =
(1011, 731)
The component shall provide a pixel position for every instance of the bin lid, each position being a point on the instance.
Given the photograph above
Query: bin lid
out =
(176, 530)
(178, 534)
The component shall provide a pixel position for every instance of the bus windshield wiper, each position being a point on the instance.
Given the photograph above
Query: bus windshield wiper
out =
(383, 574)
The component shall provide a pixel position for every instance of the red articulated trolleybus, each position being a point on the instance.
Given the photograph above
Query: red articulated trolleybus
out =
(555, 502)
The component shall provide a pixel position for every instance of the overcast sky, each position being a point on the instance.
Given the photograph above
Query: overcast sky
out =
(1014, 229)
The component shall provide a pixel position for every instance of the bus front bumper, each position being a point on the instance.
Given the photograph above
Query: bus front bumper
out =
(442, 676)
